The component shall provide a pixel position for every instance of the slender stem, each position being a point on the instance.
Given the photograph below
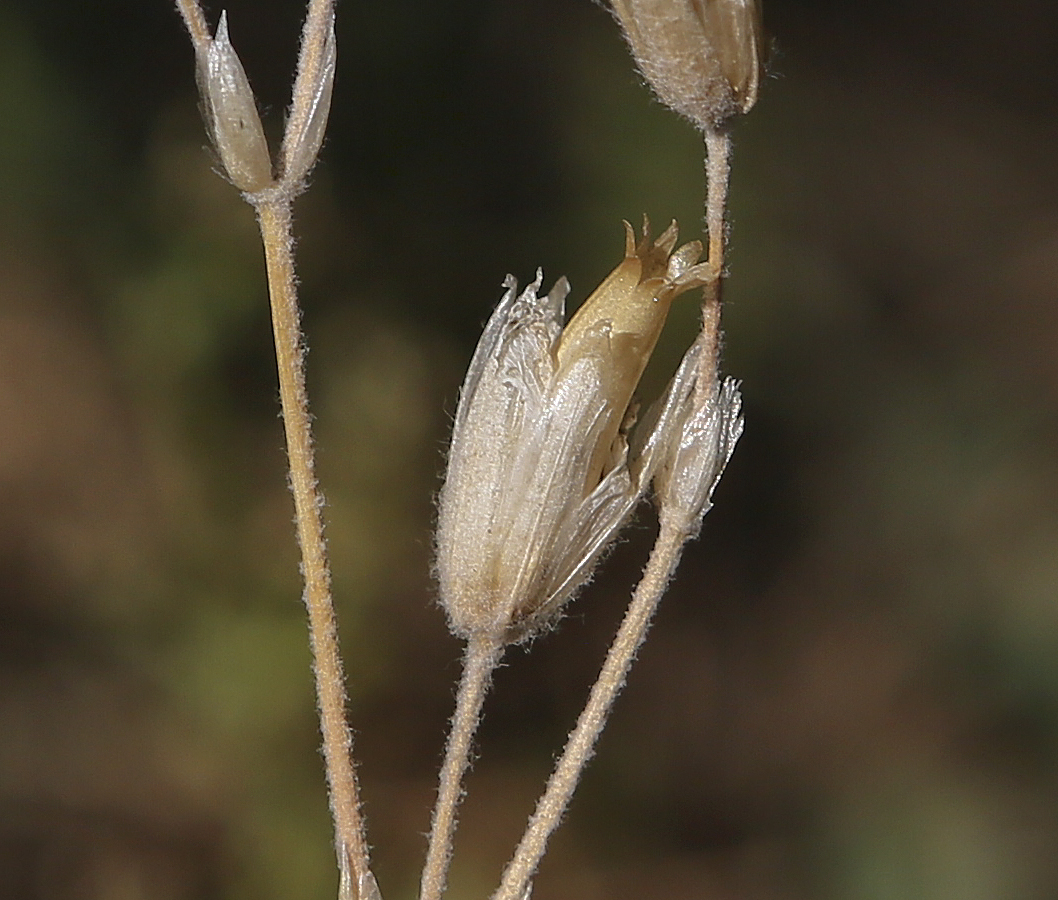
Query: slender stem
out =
(717, 173)
(581, 743)
(705, 384)
(275, 223)
(482, 655)
(195, 20)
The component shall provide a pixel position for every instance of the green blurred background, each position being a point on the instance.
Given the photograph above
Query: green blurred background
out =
(852, 689)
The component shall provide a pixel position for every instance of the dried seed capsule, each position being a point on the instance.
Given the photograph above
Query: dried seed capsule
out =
(703, 58)
(539, 475)
(620, 323)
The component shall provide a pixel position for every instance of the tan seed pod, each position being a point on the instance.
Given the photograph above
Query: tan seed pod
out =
(703, 58)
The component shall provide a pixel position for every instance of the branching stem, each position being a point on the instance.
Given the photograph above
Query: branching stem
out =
(273, 207)
(581, 743)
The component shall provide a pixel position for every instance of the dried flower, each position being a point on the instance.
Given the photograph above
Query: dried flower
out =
(230, 111)
(539, 474)
(703, 58)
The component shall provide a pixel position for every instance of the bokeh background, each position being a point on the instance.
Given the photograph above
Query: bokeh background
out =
(852, 689)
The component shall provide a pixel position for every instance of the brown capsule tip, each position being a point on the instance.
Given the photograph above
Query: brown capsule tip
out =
(736, 25)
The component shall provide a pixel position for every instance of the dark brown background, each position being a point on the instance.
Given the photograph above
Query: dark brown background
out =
(852, 689)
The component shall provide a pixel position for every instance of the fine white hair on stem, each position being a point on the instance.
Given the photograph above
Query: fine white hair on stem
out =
(195, 21)
(580, 746)
(717, 176)
(482, 656)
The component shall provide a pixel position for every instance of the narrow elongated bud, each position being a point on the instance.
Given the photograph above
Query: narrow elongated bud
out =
(304, 134)
(703, 58)
(540, 479)
(705, 424)
(231, 114)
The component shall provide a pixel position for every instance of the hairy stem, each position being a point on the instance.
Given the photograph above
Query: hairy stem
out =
(581, 743)
(275, 223)
(482, 655)
(717, 174)
(195, 20)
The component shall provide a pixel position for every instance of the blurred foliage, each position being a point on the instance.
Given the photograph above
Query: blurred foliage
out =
(852, 691)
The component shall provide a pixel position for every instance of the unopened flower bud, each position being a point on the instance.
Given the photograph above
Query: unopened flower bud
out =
(703, 58)
(706, 423)
(231, 114)
(539, 478)
(304, 134)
